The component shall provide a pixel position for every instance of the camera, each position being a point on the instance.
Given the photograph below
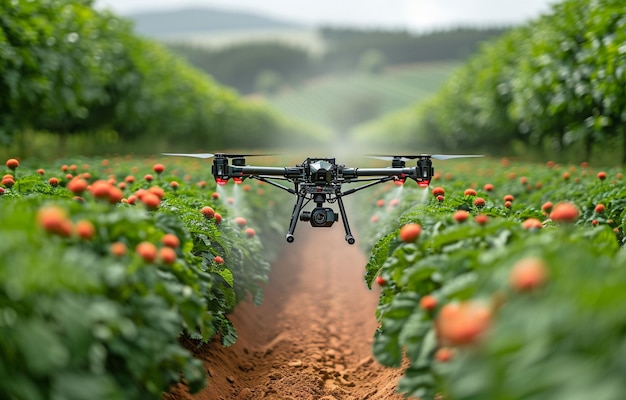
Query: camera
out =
(320, 217)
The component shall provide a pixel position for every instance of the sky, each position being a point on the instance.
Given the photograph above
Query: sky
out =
(405, 14)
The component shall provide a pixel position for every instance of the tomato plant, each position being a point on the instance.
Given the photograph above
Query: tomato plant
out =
(95, 291)
(500, 307)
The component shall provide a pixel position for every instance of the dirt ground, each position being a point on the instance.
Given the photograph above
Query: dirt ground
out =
(310, 339)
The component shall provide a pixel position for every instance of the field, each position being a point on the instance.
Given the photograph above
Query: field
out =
(501, 280)
(339, 102)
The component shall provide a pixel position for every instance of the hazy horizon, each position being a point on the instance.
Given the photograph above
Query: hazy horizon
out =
(401, 14)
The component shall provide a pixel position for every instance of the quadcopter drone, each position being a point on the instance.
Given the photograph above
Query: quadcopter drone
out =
(320, 180)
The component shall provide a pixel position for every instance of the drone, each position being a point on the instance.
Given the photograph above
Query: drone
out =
(320, 180)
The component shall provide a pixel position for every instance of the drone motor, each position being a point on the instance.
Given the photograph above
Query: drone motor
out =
(425, 171)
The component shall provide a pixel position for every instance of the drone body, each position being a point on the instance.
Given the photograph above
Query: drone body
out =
(320, 180)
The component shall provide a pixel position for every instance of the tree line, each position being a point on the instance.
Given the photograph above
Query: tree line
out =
(556, 84)
(248, 67)
(67, 68)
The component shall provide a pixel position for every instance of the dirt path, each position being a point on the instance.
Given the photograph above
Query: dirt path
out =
(310, 339)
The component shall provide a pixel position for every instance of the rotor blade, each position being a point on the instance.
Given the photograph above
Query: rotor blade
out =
(435, 156)
(198, 155)
(385, 158)
(451, 156)
(209, 155)
(401, 158)
(248, 155)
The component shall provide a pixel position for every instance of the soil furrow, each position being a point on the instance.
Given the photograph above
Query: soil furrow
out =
(310, 339)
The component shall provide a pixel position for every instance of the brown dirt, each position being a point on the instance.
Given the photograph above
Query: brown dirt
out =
(310, 339)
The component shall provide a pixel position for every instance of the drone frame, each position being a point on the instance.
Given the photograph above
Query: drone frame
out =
(320, 180)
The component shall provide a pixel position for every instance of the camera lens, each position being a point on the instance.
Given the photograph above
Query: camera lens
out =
(319, 216)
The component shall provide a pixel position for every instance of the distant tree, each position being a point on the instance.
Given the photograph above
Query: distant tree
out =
(346, 46)
(239, 65)
(268, 82)
(354, 110)
(372, 62)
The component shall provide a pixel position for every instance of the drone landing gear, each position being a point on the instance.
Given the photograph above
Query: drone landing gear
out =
(319, 217)
(344, 218)
(294, 219)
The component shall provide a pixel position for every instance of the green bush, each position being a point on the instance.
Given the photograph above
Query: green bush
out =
(68, 69)
(80, 320)
(553, 84)
(554, 340)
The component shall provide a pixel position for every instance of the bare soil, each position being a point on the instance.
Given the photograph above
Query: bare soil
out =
(310, 339)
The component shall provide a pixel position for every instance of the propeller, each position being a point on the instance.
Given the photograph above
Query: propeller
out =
(210, 155)
(435, 156)
(199, 155)
(451, 156)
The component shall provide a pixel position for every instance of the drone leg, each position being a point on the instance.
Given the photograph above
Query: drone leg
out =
(344, 218)
(294, 219)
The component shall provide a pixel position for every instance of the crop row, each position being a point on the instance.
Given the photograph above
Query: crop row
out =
(502, 281)
(103, 267)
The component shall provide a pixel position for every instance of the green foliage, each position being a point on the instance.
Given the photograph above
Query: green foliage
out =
(73, 312)
(346, 46)
(57, 59)
(81, 321)
(239, 65)
(538, 341)
(576, 332)
(570, 88)
(67, 68)
(553, 84)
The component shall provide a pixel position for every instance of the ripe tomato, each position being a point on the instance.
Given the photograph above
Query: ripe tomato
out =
(461, 216)
(528, 274)
(462, 323)
(410, 232)
(564, 213)
(428, 303)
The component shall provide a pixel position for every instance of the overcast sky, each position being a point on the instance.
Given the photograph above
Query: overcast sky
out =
(411, 14)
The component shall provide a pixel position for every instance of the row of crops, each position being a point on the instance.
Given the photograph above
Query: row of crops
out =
(104, 264)
(503, 280)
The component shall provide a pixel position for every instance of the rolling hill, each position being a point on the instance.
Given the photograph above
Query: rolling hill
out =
(341, 102)
(194, 20)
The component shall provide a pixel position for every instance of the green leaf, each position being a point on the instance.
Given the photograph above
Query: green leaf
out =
(41, 348)
(82, 385)
(387, 350)
(229, 334)
(378, 257)
(227, 275)
(418, 382)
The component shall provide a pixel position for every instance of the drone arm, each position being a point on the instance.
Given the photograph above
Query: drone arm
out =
(249, 170)
(381, 180)
(409, 172)
(278, 185)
